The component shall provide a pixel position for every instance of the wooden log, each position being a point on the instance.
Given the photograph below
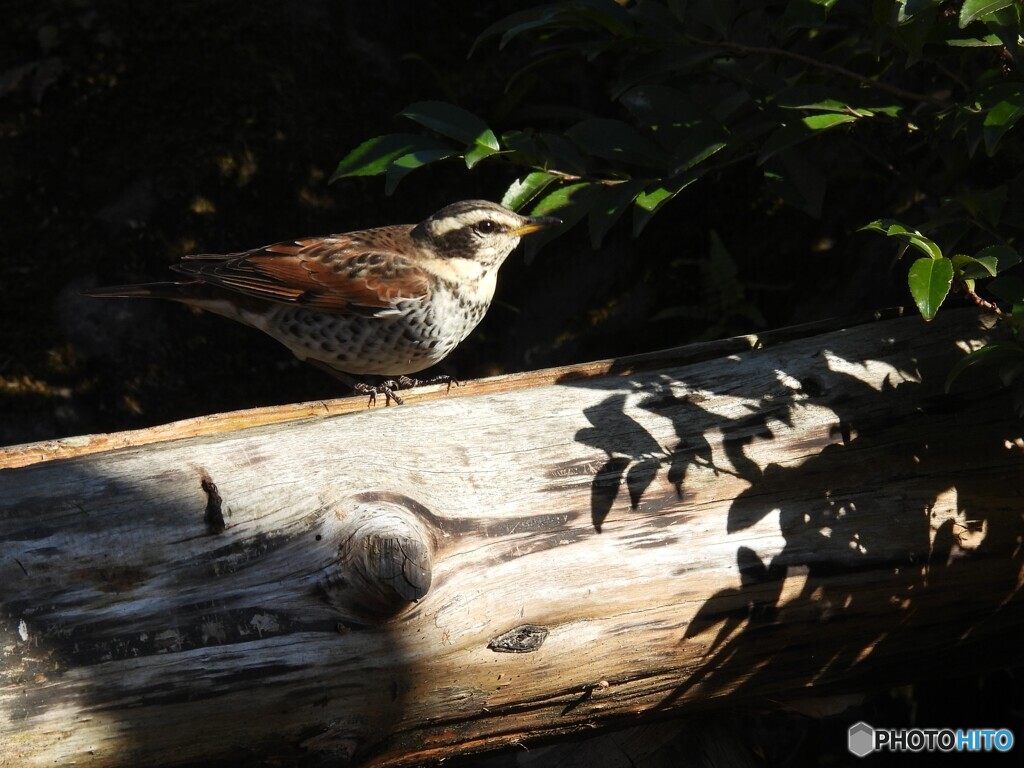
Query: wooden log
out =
(400, 585)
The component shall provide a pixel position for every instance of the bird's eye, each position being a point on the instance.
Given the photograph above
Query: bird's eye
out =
(486, 227)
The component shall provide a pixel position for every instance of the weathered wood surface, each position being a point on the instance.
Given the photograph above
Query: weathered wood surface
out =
(404, 584)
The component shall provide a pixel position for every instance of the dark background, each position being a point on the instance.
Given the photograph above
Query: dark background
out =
(133, 133)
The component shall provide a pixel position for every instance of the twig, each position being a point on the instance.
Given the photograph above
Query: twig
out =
(895, 90)
(983, 303)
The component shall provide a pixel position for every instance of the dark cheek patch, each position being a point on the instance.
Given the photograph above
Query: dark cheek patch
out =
(458, 242)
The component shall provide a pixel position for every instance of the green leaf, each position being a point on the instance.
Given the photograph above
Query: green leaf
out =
(406, 164)
(478, 153)
(1004, 255)
(617, 141)
(929, 281)
(521, 191)
(984, 204)
(910, 8)
(509, 26)
(1007, 354)
(904, 234)
(827, 120)
(453, 122)
(522, 143)
(976, 9)
(653, 200)
(970, 268)
(373, 156)
(609, 205)
(561, 155)
(650, 201)
(988, 41)
(1001, 118)
(569, 203)
(681, 127)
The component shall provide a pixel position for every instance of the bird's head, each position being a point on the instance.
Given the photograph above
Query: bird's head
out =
(479, 230)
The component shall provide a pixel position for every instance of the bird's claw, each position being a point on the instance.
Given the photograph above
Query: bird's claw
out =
(386, 388)
(407, 382)
(391, 387)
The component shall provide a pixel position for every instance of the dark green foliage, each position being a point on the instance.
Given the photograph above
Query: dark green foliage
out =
(694, 87)
(809, 94)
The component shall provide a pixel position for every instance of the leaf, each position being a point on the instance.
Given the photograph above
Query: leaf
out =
(406, 164)
(523, 143)
(1004, 255)
(509, 26)
(569, 203)
(1001, 118)
(984, 204)
(991, 354)
(976, 9)
(478, 153)
(686, 130)
(796, 180)
(651, 200)
(562, 154)
(909, 8)
(521, 191)
(904, 234)
(606, 14)
(609, 205)
(970, 268)
(453, 122)
(786, 136)
(988, 41)
(373, 156)
(929, 281)
(618, 141)
(827, 120)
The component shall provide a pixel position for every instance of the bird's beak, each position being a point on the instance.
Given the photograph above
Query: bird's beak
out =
(534, 223)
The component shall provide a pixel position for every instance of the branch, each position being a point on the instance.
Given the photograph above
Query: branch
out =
(812, 62)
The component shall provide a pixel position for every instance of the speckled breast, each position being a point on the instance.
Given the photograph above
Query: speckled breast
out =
(417, 336)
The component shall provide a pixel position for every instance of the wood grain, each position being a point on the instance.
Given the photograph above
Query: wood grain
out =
(401, 585)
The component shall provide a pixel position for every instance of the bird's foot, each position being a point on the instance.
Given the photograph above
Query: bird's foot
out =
(391, 387)
(386, 388)
(407, 382)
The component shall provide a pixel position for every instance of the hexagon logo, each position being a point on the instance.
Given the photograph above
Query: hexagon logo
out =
(860, 739)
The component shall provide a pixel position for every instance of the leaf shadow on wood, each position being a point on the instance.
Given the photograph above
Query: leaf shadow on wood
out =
(886, 521)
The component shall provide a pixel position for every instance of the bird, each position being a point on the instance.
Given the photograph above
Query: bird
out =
(384, 302)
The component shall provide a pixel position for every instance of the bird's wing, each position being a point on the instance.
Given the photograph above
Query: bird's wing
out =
(343, 274)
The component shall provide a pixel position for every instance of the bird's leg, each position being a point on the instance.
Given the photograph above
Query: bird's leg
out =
(407, 382)
(386, 388)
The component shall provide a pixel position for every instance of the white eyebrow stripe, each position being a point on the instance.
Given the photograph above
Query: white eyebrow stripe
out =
(441, 227)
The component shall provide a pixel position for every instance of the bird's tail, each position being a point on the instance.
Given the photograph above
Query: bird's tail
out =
(183, 291)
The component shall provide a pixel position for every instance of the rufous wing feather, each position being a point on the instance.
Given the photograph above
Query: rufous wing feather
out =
(339, 274)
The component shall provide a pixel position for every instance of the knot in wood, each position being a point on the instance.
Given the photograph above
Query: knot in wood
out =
(385, 548)
(526, 638)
